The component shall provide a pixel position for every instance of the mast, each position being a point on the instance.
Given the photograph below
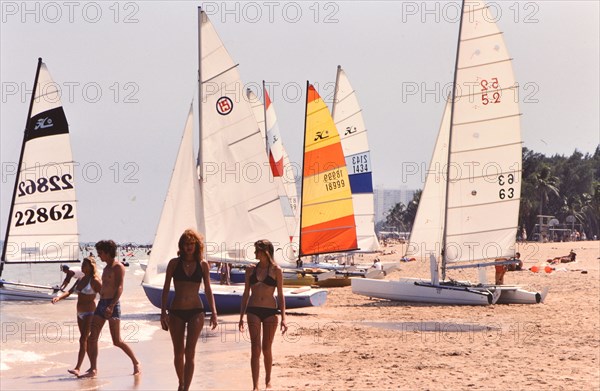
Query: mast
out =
(443, 254)
(302, 173)
(335, 91)
(14, 195)
(200, 90)
(265, 115)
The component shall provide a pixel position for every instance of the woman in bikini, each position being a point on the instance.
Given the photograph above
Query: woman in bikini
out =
(187, 271)
(261, 308)
(86, 288)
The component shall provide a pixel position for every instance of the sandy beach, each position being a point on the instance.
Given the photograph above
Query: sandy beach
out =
(350, 343)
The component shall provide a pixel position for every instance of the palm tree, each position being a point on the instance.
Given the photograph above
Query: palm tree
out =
(544, 184)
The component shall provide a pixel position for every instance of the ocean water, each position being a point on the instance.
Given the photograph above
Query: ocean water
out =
(34, 333)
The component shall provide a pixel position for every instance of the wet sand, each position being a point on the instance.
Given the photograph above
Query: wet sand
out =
(357, 343)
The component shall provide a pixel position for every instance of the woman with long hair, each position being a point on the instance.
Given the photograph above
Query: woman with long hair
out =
(186, 311)
(86, 288)
(261, 308)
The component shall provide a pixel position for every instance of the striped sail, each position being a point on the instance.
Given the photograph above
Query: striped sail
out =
(42, 225)
(348, 119)
(181, 209)
(485, 144)
(279, 161)
(327, 216)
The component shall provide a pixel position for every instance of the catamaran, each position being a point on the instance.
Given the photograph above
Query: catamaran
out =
(42, 221)
(469, 219)
(232, 210)
(348, 119)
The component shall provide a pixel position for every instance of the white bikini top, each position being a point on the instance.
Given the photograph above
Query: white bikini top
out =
(88, 290)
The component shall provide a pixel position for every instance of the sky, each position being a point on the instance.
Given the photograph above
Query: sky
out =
(127, 72)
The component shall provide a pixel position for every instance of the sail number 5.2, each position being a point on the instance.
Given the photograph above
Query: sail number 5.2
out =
(486, 85)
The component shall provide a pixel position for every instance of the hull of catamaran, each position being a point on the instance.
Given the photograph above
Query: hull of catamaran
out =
(228, 298)
(510, 294)
(21, 294)
(422, 291)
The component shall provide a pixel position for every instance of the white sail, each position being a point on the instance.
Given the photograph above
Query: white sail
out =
(181, 209)
(281, 169)
(485, 146)
(428, 227)
(348, 119)
(42, 225)
(240, 199)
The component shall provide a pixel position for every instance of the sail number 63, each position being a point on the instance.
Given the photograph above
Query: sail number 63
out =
(502, 180)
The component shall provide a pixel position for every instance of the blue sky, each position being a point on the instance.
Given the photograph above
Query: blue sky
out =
(128, 74)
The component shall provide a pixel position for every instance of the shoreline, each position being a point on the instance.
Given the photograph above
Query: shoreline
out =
(354, 342)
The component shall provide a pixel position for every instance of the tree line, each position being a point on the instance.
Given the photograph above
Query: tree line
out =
(558, 185)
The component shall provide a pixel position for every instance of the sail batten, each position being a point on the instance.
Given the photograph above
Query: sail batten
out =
(480, 37)
(487, 119)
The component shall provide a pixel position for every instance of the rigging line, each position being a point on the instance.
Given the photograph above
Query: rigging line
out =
(351, 115)
(470, 11)
(327, 229)
(316, 111)
(219, 74)
(263, 204)
(482, 232)
(485, 204)
(470, 178)
(44, 202)
(344, 98)
(487, 119)
(244, 138)
(328, 202)
(481, 36)
(513, 87)
(37, 166)
(484, 64)
(490, 147)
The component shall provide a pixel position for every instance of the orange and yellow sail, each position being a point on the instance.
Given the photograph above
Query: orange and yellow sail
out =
(327, 218)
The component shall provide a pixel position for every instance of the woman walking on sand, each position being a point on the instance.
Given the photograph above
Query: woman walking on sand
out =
(86, 287)
(187, 271)
(260, 307)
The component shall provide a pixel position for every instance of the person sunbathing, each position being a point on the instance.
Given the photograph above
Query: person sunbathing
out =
(563, 259)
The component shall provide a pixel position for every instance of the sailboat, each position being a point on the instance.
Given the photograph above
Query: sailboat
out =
(279, 160)
(226, 192)
(42, 221)
(347, 115)
(327, 222)
(469, 218)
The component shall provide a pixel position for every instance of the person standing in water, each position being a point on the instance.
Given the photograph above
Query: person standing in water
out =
(109, 307)
(86, 288)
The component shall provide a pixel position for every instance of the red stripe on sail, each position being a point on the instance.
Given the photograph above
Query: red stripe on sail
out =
(331, 236)
(276, 167)
(323, 159)
(267, 100)
(312, 94)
